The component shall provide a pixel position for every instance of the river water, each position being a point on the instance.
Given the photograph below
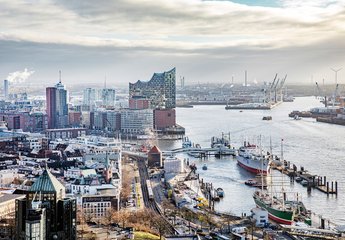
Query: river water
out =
(319, 147)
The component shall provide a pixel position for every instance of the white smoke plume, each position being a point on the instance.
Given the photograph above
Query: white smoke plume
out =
(19, 76)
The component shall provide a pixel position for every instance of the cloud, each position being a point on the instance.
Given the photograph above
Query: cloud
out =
(19, 76)
(203, 39)
(179, 24)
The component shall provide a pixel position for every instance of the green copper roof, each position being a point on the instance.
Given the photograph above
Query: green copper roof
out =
(47, 183)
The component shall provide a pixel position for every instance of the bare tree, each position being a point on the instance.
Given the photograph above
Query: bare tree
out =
(122, 217)
(158, 223)
(126, 185)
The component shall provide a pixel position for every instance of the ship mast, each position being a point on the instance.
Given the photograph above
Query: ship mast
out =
(282, 159)
(271, 181)
(262, 167)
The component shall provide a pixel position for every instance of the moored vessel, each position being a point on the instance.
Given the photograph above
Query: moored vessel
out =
(278, 210)
(251, 158)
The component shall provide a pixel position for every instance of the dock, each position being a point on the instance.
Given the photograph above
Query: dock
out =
(203, 152)
(309, 180)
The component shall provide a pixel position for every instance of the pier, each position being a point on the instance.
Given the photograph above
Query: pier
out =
(203, 152)
(309, 180)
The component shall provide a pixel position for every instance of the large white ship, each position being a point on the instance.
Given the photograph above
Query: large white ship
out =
(251, 158)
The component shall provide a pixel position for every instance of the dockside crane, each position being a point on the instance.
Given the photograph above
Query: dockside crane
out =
(281, 87)
(271, 87)
(275, 90)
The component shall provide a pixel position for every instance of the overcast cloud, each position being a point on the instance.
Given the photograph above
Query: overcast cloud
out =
(208, 41)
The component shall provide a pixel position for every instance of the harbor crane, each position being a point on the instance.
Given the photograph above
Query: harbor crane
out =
(275, 90)
(270, 89)
(282, 82)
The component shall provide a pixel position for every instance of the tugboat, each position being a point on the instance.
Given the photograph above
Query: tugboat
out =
(254, 183)
(250, 182)
(204, 167)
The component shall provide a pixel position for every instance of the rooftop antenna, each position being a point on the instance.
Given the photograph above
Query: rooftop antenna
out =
(336, 74)
(59, 76)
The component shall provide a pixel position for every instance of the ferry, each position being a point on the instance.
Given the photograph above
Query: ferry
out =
(252, 159)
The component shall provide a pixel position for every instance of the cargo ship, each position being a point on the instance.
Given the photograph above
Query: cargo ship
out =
(251, 158)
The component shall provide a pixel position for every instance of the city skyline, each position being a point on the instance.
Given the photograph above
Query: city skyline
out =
(207, 41)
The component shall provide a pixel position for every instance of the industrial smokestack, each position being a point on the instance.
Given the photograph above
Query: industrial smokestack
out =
(6, 89)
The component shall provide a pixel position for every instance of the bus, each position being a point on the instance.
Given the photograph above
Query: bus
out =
(149, 189)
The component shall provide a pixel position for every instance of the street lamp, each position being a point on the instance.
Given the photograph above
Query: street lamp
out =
(336, 74)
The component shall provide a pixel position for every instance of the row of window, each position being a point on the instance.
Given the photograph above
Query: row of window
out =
(94, 205)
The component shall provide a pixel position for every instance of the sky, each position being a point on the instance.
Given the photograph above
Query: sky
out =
(207, 41)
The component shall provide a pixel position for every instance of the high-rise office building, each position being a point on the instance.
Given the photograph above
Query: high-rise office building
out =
(6, 89)
(51, 107)
(104, 97)
(57, 108)
(90, 95)
(46, 213)
(61, 105)
(108, 97)
(160, 90)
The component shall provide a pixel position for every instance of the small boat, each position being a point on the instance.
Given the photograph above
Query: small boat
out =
(204, 167)
(220, 192)
(254, 183)
(298, 179)
(267, 118)
(305, 182)
(250, 182)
